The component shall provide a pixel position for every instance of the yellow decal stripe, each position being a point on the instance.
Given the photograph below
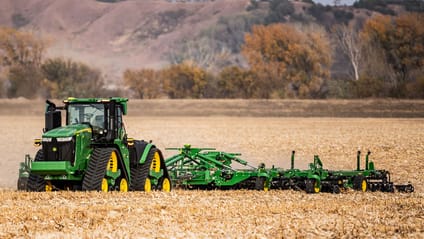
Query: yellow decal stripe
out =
(84, 130)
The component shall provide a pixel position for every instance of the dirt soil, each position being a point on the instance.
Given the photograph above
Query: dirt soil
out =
(396, 144)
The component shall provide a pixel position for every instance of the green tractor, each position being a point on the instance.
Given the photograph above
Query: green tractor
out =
(92, 152)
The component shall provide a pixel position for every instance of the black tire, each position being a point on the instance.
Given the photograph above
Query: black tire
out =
(22, 184)
(284, 184)
(389, 188)
(335, 189)
(360, 183)
(373, 187)
(310, 186)
(35, 182)
(409, 188)
(96, 169)
(140, 172)
(260, 184)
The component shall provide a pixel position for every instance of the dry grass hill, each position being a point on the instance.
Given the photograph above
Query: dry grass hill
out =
(115, 36)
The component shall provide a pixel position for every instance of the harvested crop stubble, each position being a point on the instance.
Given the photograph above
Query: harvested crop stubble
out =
(216, 214)
(396, 144)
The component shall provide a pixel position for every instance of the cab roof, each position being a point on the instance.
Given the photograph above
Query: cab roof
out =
(119, 100)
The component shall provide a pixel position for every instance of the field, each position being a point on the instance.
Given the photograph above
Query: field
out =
(396, 144)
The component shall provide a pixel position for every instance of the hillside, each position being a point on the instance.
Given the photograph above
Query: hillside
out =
(115, 36)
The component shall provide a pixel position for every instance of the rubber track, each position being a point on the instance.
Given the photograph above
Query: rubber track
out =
(139, 173)
(36, 183)
(96, 169)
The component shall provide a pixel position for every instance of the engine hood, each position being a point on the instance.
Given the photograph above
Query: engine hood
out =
(67, 131)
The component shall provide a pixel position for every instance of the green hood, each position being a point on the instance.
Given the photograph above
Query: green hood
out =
(67, 131)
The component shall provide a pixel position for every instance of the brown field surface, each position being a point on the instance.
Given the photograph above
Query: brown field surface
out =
(380, 108)
(397, 144)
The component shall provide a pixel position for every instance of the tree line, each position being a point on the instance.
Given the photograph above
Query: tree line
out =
(385, 58)
(25, 72)
(278, 59)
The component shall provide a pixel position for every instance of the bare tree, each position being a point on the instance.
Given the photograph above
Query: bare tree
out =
(207, 53)
(348, 41)
(21, 55)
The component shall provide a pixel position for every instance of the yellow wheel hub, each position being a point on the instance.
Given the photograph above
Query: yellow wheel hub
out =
(266, 188)
(316, 187)
(112, 164)
(166, 185)
(49, 186)
(148, 185)
(123, 185)
(155, 165)
(364, 185)
(105, 185)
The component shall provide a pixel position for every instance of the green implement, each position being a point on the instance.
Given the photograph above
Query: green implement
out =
(205, 168)
(316, 179)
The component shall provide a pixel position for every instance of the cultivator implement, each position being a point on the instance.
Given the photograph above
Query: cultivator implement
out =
(206, 168)
(317, 179)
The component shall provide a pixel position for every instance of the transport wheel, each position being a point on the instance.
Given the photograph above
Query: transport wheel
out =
(390, 188)
(36, 183)
(164, 184)
(312, 186)
(372, 187)
(409, 188)
(140, 180)
(94, 178)
(317, 187)
(22, 183)
(49, 186)
(335, 189)
(360, 183)
(261, 184)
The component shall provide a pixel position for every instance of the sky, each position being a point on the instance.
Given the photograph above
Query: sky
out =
(331, 2)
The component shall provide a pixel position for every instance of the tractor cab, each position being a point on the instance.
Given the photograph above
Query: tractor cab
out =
(103, 117)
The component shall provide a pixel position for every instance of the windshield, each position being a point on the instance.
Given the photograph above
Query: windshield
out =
(87, 113)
